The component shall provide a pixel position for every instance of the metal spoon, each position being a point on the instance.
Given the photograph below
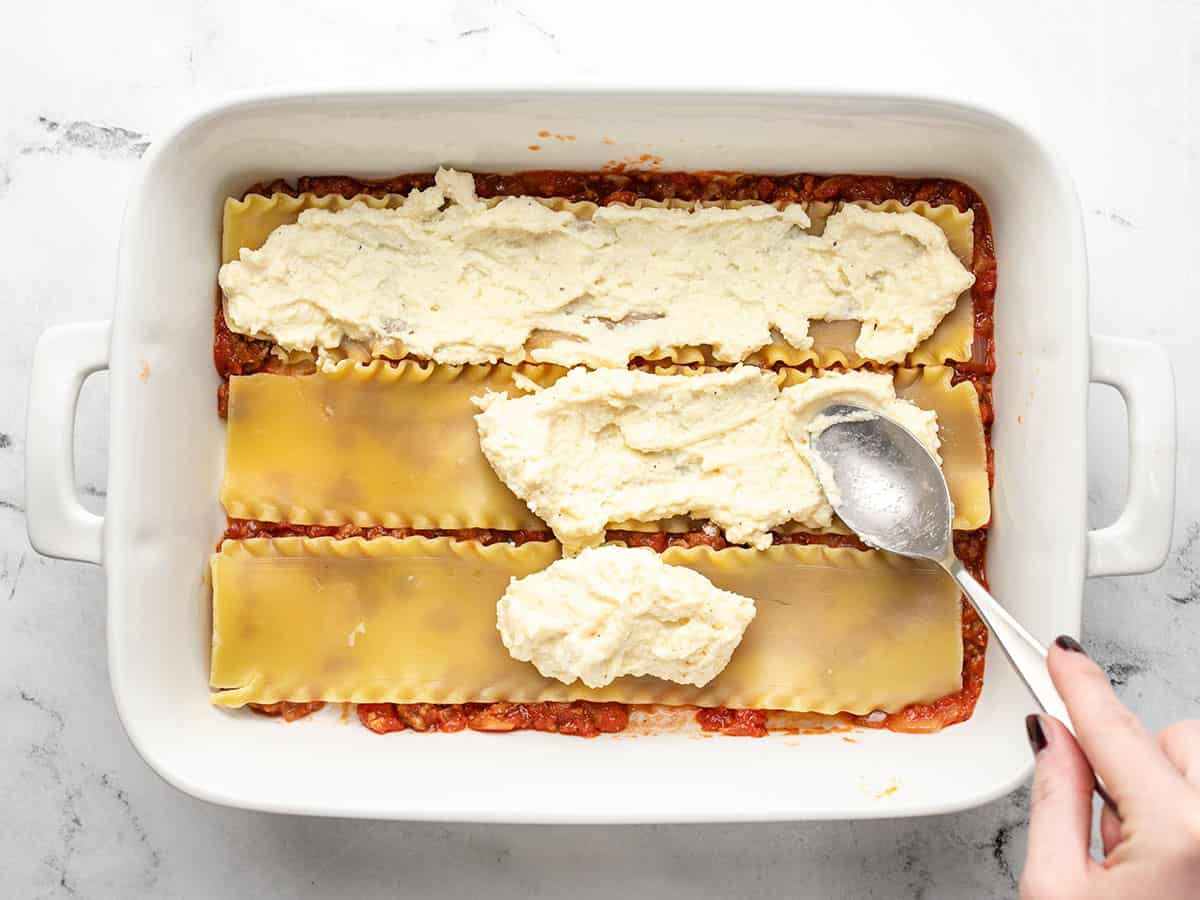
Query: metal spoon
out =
(888, 488)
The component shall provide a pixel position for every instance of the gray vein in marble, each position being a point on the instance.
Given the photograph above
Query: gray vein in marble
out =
(47, 753)
(914, 850)
(11, 504)
(109, 141)
(549, 35)
(1119, 673)
(1184, 562)
(473, 32)
(1120, 662)
(1000, 852)
(108, 782)
(1014, 820)
(5, 441)
(1000, 846)
(90, 490)
(1114, 217)
(15, 578)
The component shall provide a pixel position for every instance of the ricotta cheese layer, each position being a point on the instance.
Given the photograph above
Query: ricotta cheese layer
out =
(602, 447)
(614, 611)
(452, 278)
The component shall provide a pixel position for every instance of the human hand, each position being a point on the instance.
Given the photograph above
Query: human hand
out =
(1153, 850)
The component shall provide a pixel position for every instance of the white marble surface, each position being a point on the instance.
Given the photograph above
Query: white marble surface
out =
(85, 86)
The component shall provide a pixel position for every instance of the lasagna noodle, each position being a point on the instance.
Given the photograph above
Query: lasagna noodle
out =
(414, 621)
(391, 445)
(960, 427)
(248, 222)
(396, 445)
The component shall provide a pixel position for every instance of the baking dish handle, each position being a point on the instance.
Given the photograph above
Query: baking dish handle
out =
(1139, 539)
(58, 524)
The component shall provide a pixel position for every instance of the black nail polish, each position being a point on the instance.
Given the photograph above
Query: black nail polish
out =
(1069, 643)
(1037, 736)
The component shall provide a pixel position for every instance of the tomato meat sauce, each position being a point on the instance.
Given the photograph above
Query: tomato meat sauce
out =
(581, 718)
(286, 710)
(236, 354)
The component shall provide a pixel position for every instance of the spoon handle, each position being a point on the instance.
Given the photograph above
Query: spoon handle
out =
(1025, 652)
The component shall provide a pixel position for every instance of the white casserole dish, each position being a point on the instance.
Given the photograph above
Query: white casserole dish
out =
(163, 516)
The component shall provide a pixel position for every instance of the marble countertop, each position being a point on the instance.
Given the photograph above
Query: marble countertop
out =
(87, 86)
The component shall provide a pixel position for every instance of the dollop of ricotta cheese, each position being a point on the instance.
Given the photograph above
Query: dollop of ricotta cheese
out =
(614, 611)
(455, 279)
(602, 447)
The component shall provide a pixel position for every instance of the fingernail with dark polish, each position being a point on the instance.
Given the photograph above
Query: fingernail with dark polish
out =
(1069, 643)
(1037, 736)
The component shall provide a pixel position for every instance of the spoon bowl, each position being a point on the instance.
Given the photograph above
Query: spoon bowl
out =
(891, 490)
